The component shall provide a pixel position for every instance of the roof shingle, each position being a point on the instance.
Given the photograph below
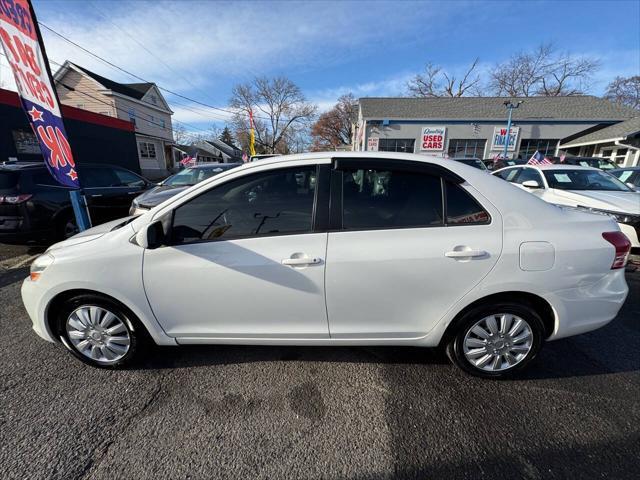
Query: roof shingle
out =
(492, 108)
(617, 131)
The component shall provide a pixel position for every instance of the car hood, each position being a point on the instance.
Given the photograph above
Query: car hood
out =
(89, 234)
(159, 194)
(627, 202)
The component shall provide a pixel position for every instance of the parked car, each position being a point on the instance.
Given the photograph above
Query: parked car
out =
(33, 206)
(262, 156)
(581, 187)
(365, 248)
(492, 164)
(177, 183)
(628, 175)
(595, 162)
(472, 162)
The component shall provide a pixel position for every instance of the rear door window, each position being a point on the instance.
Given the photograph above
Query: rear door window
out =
(509, 175)
(462, 208)
(97, 177)
(390, 199)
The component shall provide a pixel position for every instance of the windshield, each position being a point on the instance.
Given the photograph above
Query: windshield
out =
(191, 176)
(584, 180)
(472, 162)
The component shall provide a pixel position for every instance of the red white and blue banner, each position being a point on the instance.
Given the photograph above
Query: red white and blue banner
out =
(23, 46)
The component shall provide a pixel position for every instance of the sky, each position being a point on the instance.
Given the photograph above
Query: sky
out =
(201, 49)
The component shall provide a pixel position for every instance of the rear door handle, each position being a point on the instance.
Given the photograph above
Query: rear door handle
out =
(301, 261)
(465, 253)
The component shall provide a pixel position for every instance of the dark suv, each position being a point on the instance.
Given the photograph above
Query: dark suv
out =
(33, 206)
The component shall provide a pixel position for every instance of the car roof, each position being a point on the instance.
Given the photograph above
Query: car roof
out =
(21, 165)
(553, 166)
(217, 165)
(622, 169)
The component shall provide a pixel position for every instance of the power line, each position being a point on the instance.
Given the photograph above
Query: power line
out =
(105, 17)
(177, 122)
(111, 64)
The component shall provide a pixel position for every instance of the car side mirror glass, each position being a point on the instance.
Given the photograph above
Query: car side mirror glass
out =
(152, 236)
(531, 184)
(631, 186)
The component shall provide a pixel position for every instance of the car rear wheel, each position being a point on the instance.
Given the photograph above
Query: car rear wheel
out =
(496, 341)
(99, 332)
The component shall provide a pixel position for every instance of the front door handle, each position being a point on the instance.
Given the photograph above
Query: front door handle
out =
(298, 261)
(465, 253)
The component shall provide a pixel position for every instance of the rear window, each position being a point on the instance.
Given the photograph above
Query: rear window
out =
(8, 180)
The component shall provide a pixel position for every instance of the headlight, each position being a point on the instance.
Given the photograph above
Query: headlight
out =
(620, 217)
(39, 265)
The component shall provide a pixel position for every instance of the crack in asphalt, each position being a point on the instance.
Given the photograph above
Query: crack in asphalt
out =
(96, 460)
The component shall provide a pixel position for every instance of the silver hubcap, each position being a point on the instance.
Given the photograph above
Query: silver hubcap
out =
(98, 334)
(498, 342)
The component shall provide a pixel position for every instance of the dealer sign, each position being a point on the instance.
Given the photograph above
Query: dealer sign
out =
(433, 139)
(500, 135)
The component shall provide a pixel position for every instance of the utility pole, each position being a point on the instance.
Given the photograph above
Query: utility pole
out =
(510, 106)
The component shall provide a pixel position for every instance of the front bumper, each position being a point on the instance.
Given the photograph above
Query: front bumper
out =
(632, 232)
(35, 304)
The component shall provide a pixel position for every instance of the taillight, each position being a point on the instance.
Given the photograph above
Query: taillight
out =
(15, 199)
(622, 245)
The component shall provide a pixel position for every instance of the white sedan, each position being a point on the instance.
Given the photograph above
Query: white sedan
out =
(336, 249)
(585, 188)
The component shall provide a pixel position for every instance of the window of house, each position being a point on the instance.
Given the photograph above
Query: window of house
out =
(163, 124)
(147, 150)
(153, 99)
(268, 203)
(466, 148)
(405, 145)
(132, 115)
(387, 198)
(529, 146)
(462, 208)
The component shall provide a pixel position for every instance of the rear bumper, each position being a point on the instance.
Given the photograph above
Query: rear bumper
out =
(582, 309)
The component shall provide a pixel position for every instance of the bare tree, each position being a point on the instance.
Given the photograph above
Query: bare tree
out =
(435, 82)
(280, 111)
(542, 72)
(335, 128)
(624, 91)
(180, 135)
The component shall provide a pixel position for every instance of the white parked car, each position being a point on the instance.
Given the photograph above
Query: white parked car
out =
(585, 188)
(336, 249)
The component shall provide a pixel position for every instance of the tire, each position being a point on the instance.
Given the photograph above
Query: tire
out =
(100, 332)
(496, 356)
(66, 227)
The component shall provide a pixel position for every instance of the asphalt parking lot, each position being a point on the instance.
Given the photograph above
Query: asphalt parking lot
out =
(357, 413)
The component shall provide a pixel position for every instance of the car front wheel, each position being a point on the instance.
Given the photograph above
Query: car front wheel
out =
(99, 332)
(496, 341)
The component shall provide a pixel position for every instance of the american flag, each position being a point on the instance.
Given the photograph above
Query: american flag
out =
(539, 159)
(188, 160)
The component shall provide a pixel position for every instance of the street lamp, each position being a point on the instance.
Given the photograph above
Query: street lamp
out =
(510, 106)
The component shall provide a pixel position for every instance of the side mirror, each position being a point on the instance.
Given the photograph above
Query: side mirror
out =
(152, 236)
(632, 186)
(530, 184)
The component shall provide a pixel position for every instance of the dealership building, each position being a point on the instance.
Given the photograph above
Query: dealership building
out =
(477, 127)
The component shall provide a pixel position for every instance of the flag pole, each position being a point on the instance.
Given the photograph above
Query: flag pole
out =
(77, 196)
